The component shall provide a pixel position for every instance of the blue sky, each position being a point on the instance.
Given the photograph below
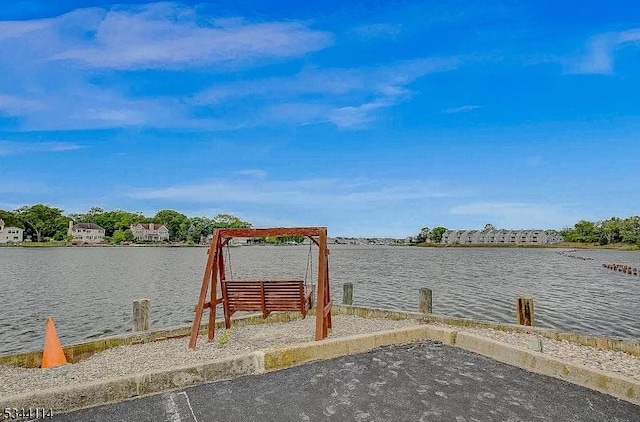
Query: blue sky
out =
(371, 118)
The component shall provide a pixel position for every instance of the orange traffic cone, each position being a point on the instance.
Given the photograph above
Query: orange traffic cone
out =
(52, 354)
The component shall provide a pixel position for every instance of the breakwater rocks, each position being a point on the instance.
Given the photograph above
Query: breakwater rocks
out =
(569, 254)
(626, 269)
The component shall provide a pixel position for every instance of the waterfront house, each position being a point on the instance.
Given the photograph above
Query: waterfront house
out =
(10, 234)
(513, 237)
(86, 233)
(150, 231)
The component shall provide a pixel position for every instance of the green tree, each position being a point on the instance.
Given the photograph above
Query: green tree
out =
(111, 221)
(198, 227)
(610, 231)
(177, 223)
(228, 221)
(93, 215)
(436, 234)
(423, 235)
(488, 227)
(630, 231)
(587, 231)
(10, 219)
(42, 221)
(120, 236)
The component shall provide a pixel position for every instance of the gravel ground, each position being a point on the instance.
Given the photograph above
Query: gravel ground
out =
(162, 354)
(605, 360)
(159, 355)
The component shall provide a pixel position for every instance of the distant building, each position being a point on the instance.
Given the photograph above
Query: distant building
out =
(150, 231)
(10, 234)
(86, 232)
(498, 237)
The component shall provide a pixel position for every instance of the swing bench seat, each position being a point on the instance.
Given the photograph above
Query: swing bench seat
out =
(265, 296)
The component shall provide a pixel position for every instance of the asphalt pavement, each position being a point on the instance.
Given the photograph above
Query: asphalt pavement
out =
(425, 381)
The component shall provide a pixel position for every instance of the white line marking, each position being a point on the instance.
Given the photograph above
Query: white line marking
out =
(189, 404)
(171, 409)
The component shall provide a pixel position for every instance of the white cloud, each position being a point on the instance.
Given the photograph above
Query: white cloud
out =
(388, 80)
(600, 52)
(461, 109)
(516, 215)
(299, 193)
(346, 97)
(159, 35)
(15, 29)
(56, 72)
(358, 116)
(257, 173)
(60, 73)
(14, 105)
(14, 148)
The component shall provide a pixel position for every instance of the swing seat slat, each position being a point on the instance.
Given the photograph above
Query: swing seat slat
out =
(265, 296)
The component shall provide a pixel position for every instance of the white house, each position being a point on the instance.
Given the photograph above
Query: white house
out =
(150, 231)
(10, 234)
(86, 232)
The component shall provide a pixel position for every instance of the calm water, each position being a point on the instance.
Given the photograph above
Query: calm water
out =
(90, 291)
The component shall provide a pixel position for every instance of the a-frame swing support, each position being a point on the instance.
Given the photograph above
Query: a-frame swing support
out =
(215, 272)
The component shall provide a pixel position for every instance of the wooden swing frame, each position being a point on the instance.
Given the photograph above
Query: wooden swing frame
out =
(214, 274)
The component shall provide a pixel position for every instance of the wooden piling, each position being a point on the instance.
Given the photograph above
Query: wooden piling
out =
(524, 311)
(426, 301)
(141, 315)
(347, 294)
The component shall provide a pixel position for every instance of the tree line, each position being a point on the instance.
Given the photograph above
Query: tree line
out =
(613, 230)
(41, 222)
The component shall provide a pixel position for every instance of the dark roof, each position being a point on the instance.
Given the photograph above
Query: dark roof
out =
(90, 226)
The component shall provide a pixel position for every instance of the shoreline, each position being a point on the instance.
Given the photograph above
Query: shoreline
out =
(563, 245)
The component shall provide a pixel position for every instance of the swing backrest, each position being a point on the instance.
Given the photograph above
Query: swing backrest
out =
(265, 295)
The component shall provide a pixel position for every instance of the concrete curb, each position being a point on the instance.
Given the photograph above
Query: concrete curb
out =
(630, 346)
(117, 389)
(609, 383)
(297, 354)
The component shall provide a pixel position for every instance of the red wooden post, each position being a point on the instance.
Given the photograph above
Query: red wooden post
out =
(223, 279)
(214, 288)
(206, 279)
(328, 293)
(320, 302)
(524, 311)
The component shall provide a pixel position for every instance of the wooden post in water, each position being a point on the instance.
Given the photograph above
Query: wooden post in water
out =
(524, 311)
(141, 315)
(426, 301)
(347, 294)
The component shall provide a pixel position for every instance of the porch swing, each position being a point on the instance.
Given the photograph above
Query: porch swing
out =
(265, 296)
(262, 295)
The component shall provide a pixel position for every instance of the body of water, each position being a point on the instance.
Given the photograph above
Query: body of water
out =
(89, 291)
